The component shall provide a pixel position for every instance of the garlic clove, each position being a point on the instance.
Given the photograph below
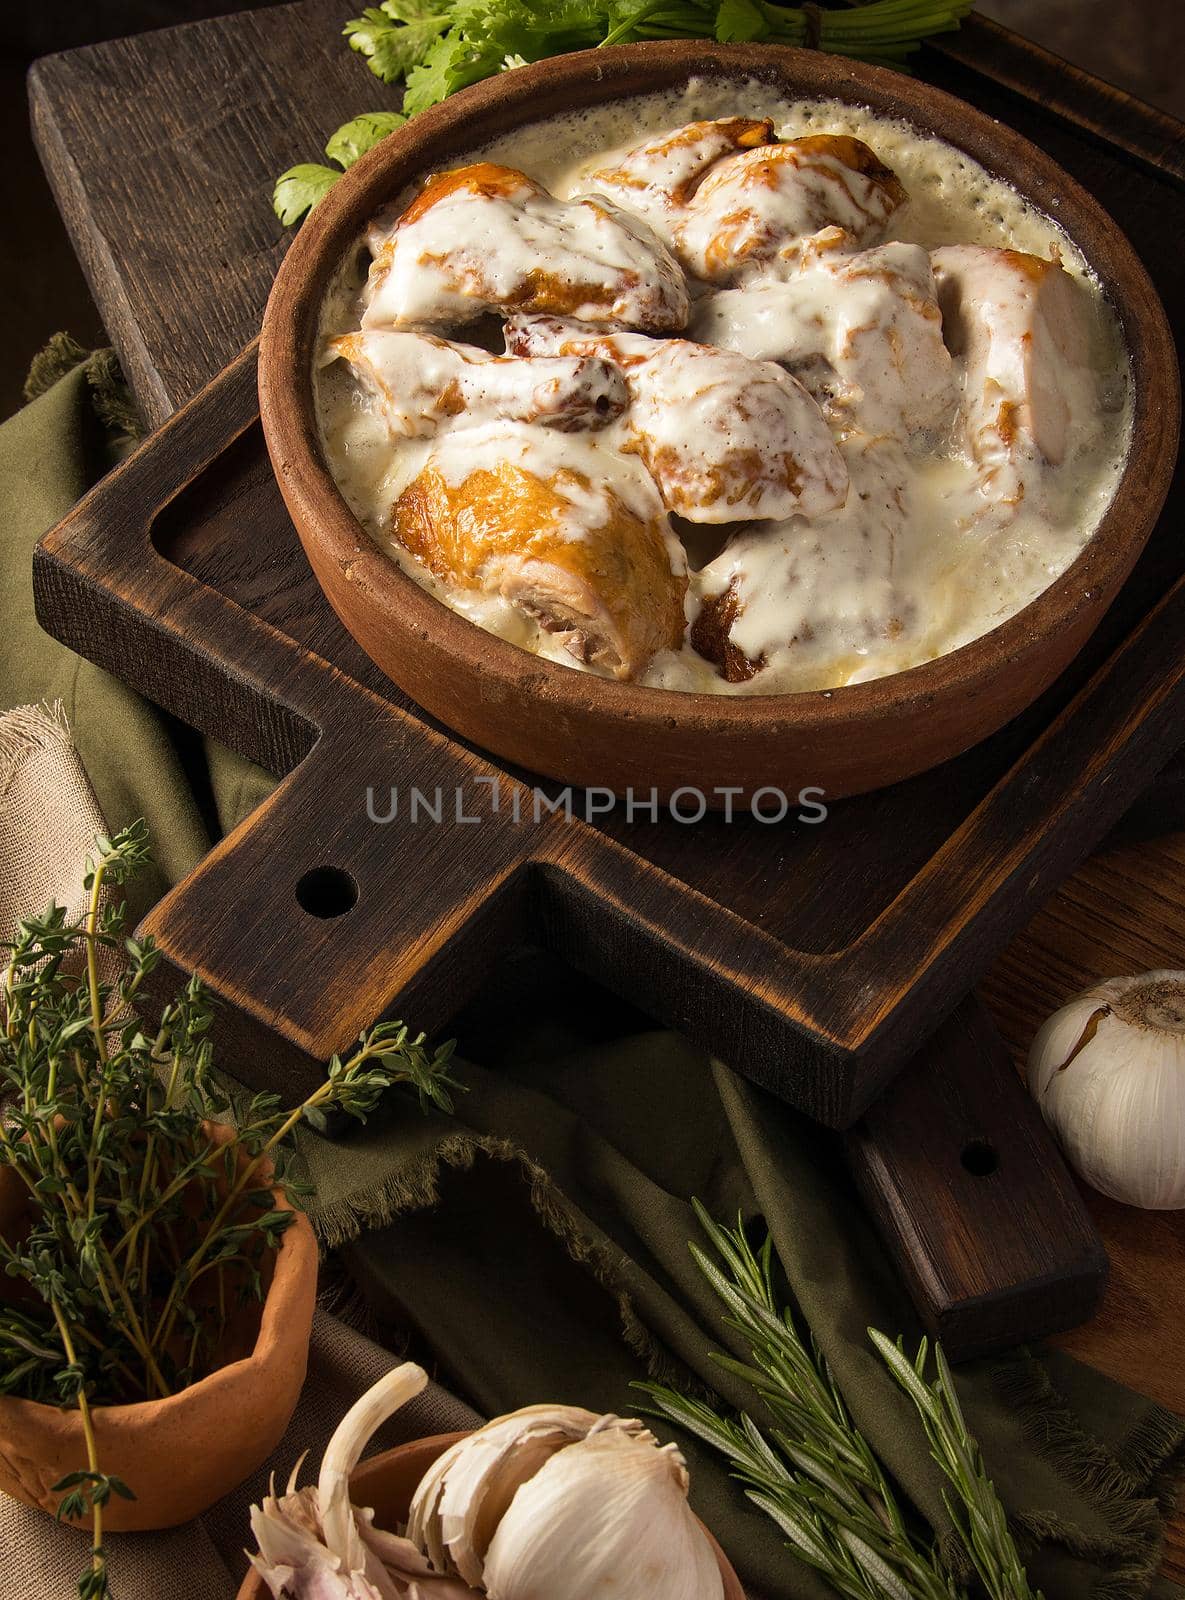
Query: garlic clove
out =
(460, 1497)
(608, 1515)
(481, 1485)
(342, 1455)
(1108, 1071)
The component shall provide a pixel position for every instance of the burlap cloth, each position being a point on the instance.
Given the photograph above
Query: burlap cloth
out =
(48, 821)
(50, 815)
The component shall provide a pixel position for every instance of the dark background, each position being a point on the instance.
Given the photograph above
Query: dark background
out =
(1139, 44)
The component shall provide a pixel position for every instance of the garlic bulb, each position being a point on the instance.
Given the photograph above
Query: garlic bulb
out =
(608, 1515)
(553, 1502)
(1108, 1071)
(315, 1545)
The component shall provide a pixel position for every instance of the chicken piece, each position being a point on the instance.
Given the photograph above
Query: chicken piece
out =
(488, 238)
(725, 438)
(1019, 331)
(571, 533)
(421, 381)
(862, 332)
(656, 179)
(752, 213)
(736, 203)
(825, 589)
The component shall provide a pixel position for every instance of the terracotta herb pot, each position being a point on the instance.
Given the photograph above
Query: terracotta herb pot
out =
(387, 1482)
(180, 1454)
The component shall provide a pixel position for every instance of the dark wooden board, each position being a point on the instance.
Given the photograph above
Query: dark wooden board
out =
(161, 150)
(815, 958)
(173, 574)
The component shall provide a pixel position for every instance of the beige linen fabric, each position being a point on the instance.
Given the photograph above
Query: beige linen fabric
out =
(48, 821)
(48, 817)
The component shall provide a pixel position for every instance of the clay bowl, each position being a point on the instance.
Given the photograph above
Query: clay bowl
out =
(588, 731)
(180, 1454)
(387, 1482)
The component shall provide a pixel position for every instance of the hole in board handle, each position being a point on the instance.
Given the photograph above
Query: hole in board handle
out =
(326, 892)
(980, 1158)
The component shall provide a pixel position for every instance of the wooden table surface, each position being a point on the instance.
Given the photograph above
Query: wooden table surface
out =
(181, 282)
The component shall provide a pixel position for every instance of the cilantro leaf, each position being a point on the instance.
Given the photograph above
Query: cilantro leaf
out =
(453, 63)
(411, 10)
(299, 189)
(355, 138)
(391, 48)
(739, 21)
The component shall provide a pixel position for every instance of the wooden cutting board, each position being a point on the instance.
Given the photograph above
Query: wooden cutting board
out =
(161, 148)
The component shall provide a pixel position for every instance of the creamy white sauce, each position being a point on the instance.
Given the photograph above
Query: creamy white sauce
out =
(917, 562)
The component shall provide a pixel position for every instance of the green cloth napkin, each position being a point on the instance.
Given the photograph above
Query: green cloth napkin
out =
(535, 1245)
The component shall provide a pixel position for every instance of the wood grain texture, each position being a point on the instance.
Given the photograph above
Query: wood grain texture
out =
(162, 149)
(151, 576)
(1121, 912)
(175, 331)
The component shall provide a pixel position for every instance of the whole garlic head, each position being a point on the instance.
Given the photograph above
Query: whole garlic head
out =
(553, 1502)
(1108, 1071)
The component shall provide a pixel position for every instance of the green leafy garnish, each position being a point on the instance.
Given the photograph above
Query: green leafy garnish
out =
(354, 139)
(395, 37)
(439, 46)
(299, 189)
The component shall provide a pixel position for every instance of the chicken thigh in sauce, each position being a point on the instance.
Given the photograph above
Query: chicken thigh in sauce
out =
(421, 381)
(862, 332)
(1018, 328)
(488, 238)
(573, 539)
(724, 438)
(737, 203)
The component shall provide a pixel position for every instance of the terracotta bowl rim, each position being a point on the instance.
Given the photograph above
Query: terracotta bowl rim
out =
(597, 76)
(296, 1257)
(253, 1587)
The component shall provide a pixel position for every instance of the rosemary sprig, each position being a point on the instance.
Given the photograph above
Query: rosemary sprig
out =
(974, 1506)
(811, 1470)
(145, 1234)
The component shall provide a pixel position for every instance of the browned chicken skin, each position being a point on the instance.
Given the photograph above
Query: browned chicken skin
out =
(421, 381)
(660, 175)
(732, 200)
(711, 636)
(486, 237)
(724, 437)
(506, 530)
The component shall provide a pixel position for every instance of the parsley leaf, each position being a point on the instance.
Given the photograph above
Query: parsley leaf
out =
(452, 63)
(299, 189)
(393, 48)
(412, 10)
(738, 21)
(440, 46)
(354, 139)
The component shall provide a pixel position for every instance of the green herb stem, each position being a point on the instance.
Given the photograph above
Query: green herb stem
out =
(114, 1265)
(811, 1470)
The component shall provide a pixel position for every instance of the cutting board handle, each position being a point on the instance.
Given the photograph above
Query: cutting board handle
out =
(353, 893)
(978, 1212)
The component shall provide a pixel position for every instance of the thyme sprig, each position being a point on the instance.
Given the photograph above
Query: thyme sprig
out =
(811, 1470)
(151, 1209)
